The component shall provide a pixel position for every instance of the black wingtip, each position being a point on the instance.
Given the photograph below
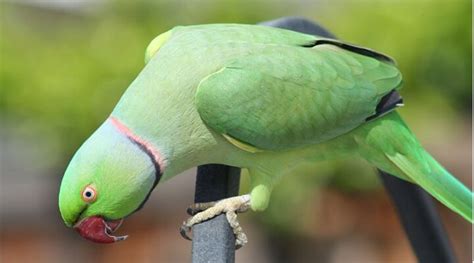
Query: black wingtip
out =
(387, 104)
(353, 48)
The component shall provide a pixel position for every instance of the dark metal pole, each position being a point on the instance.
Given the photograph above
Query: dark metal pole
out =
(299, 24)
(415, 207)
(420, 220)
(213, 240)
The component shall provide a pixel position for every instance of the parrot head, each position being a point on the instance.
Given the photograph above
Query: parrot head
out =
(109, 178)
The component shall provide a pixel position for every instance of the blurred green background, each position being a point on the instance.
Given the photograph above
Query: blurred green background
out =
(64, 65)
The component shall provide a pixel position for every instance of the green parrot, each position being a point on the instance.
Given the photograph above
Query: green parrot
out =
(264, 99)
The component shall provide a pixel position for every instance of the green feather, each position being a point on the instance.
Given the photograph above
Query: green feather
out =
(280, 97)
(389, 144)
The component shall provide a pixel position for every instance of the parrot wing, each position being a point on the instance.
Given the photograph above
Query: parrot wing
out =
(288, 96)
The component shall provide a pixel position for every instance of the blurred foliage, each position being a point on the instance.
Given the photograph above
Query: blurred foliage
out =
(63, 69)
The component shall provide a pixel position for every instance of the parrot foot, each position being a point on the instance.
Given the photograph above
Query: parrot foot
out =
(230, 206)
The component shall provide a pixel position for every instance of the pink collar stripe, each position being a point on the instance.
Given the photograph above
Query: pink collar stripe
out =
(147, 147)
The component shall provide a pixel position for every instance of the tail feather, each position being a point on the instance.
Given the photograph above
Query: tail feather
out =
(439, 183)
(388, 144)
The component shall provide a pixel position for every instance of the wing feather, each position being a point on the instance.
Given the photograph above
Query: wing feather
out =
(287, 96)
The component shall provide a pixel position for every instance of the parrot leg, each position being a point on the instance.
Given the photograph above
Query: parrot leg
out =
(230, 206)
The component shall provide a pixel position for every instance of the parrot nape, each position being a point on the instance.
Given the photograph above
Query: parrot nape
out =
(256, 97)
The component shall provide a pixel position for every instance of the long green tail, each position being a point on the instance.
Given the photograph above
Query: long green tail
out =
(389, 144)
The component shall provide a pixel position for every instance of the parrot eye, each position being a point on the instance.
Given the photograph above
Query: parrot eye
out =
(89, 194)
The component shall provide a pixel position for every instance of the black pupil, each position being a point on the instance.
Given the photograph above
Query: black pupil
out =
(88, 194)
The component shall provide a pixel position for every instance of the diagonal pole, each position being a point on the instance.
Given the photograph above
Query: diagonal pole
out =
(420, 220)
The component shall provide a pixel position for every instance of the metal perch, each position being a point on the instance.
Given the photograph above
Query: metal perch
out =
(213, 240)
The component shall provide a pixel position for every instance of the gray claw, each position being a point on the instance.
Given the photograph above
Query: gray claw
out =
(190, 211)
(183, 230)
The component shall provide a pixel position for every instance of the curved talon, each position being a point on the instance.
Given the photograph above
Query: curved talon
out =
(190, 211)
(183, 230)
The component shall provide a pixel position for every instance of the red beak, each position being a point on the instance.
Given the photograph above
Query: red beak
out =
(96, 229)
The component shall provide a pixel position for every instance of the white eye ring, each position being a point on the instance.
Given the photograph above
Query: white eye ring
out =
(89, 194)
